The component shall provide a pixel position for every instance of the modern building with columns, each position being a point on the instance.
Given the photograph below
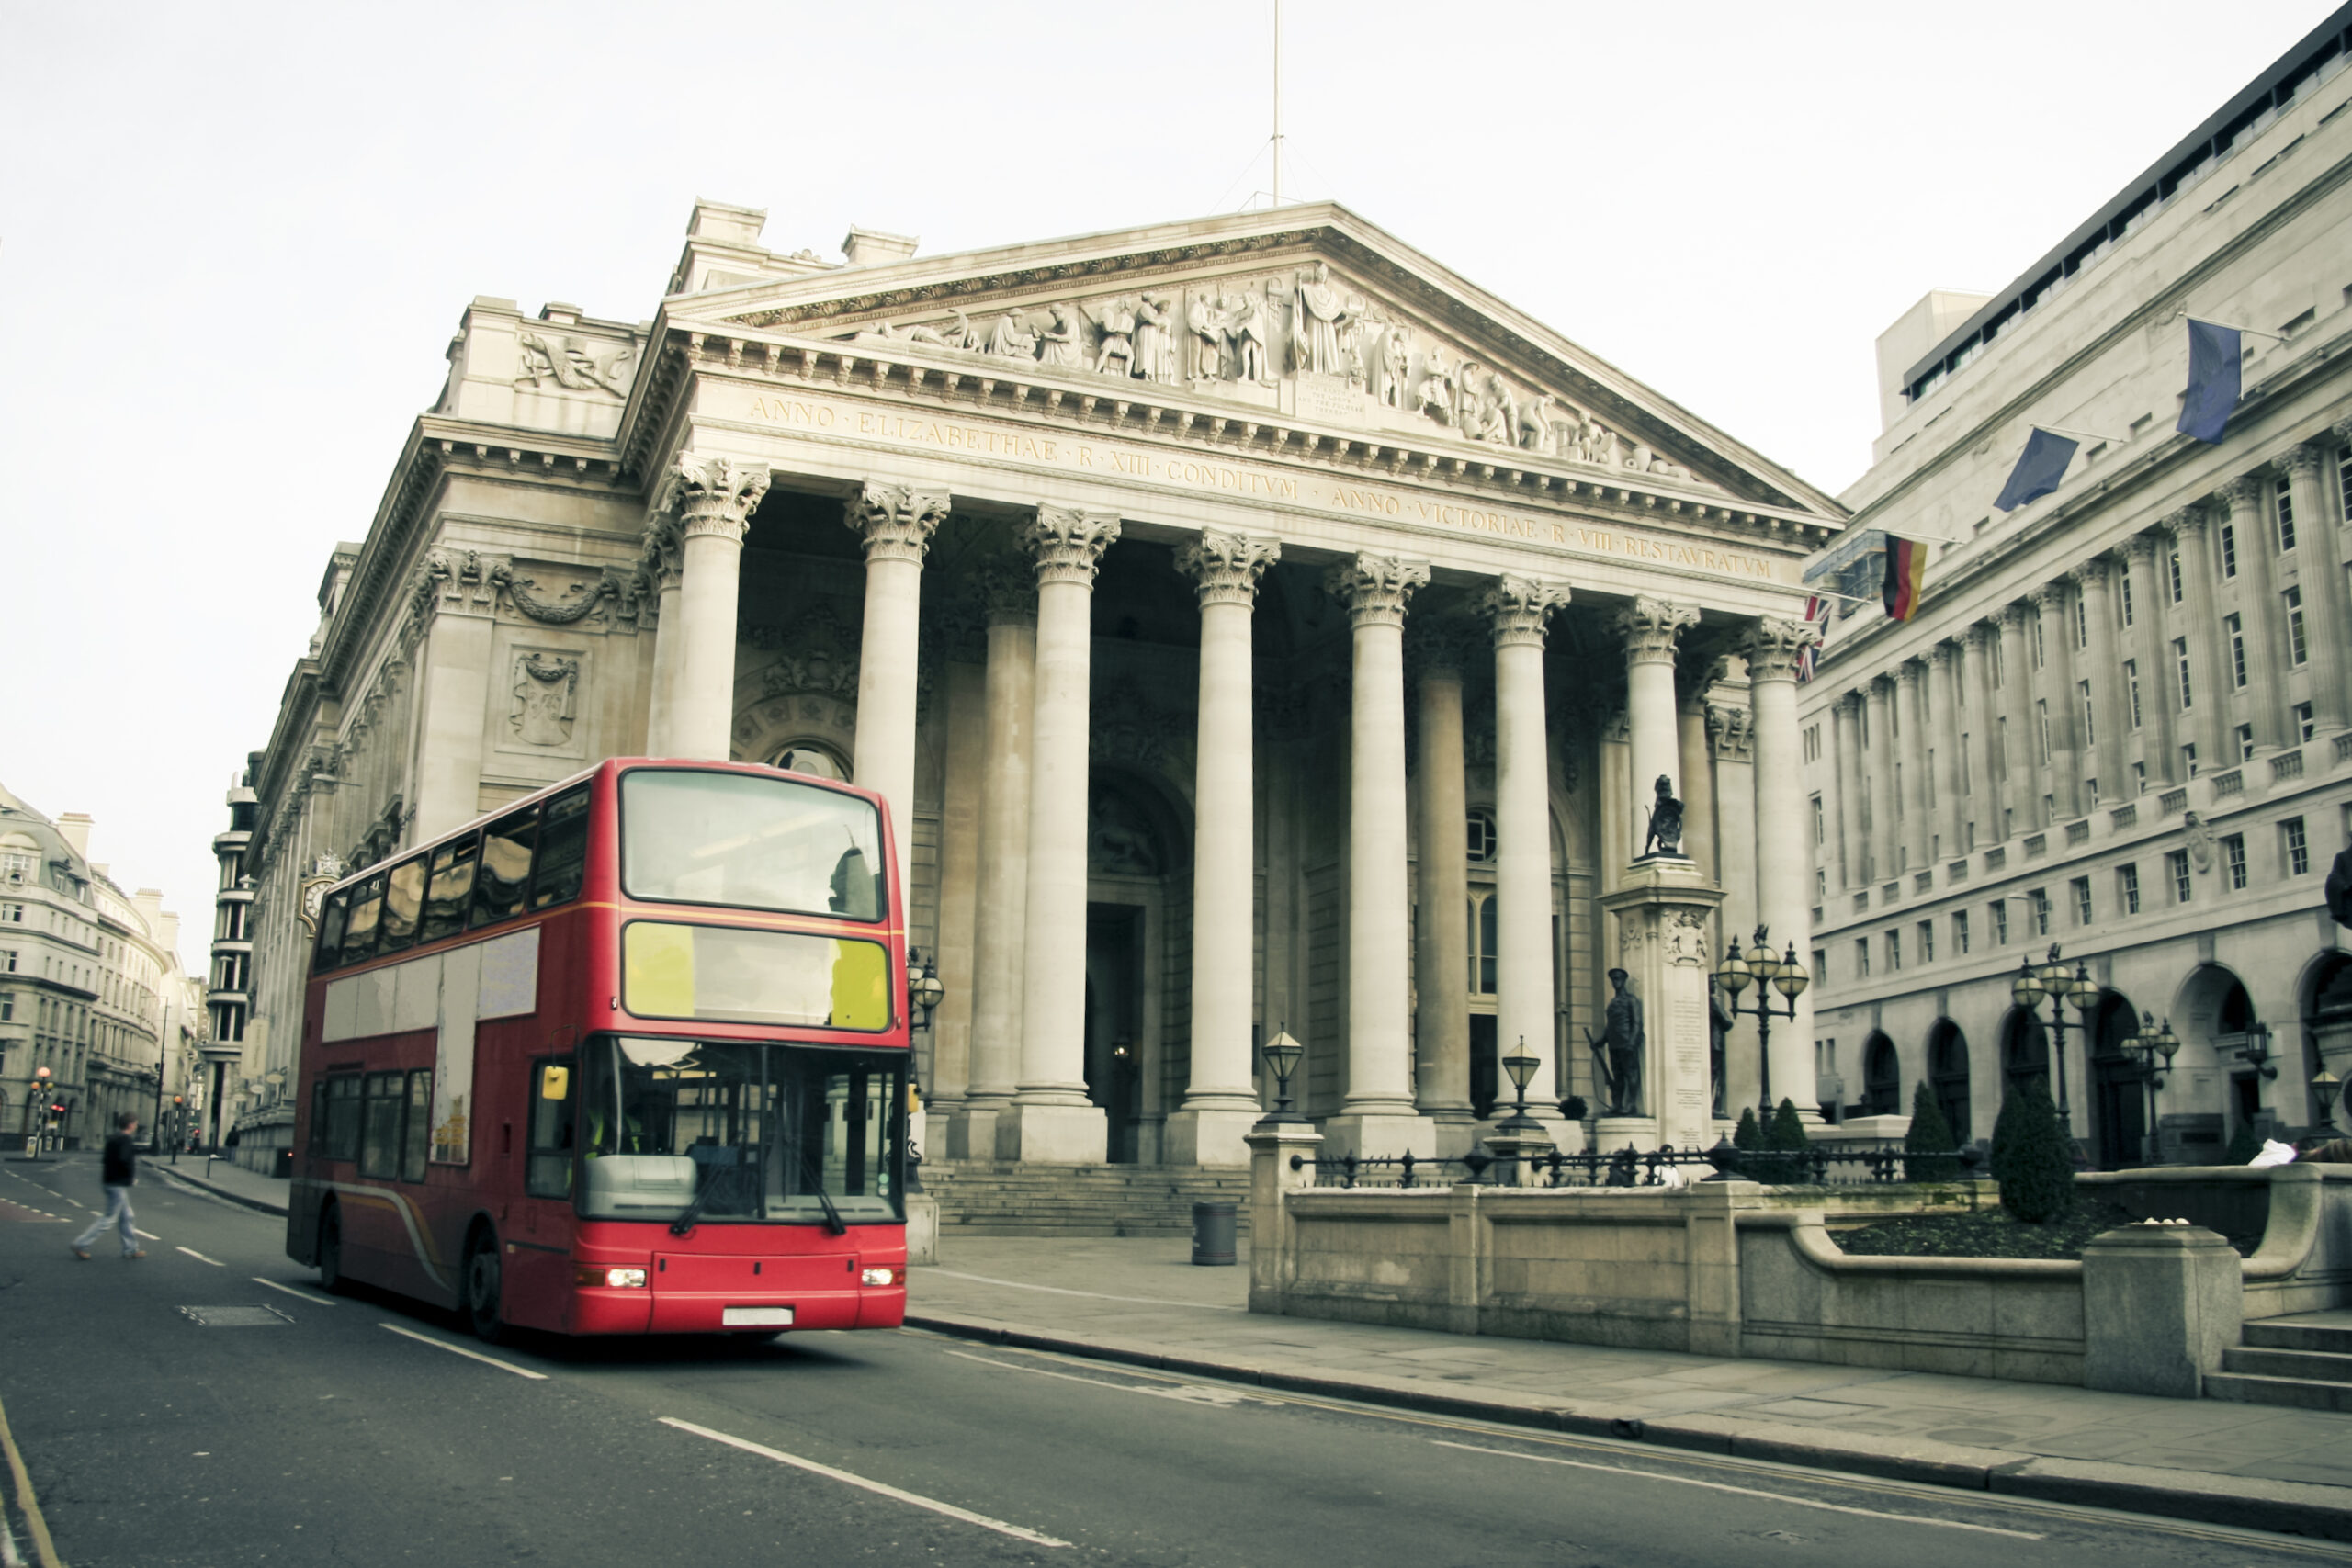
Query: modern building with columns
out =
(1253, 626)
(2120, 722)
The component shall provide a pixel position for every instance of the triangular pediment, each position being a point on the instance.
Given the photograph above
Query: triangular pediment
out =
(1304, 313)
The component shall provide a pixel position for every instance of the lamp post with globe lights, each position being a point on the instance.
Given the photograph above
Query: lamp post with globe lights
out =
(2054, 980)
(1767, 974)
(2153, 1048)
(924, 990)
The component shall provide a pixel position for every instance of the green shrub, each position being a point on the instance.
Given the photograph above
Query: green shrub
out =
(2032, 1157)
(1788, 1131)
(1933, 1151)
(2243, 1145)
(1749, 1136)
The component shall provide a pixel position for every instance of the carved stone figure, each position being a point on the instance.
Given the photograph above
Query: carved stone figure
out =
(1064, 341)
(1665, 836)
(962, 335)
(1154, 340)
(1686, 939)
(1500, 413)
(542, 714)
(1119, 840)
(1253, 336)
(1209, 327)
(1399, 361)
(1118, 322)
(1534, 425)
(2199, 835)
(1435, 394)
(1011, 340)
(2338, 887)
(1322, 315)
(1617, 1054)
(568, 362)
(1596, 445)
(1719, 1022)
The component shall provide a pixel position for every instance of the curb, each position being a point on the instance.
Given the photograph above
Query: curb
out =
(226, 1196)
(2285, 1508)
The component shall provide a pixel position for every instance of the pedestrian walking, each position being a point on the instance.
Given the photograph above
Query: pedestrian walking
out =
(120, 1171)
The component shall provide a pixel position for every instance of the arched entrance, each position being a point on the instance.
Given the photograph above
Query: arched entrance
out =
(1135, 905)
(1882, 1076)
(2327, 1034)
(2025, 1052)
(1948, 1077)
(2120, 1125)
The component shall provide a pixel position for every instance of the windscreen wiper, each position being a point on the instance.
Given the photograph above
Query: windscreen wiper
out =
(833, 1221)
(720, 1176)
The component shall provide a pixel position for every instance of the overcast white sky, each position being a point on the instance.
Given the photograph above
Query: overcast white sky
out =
(234, 239)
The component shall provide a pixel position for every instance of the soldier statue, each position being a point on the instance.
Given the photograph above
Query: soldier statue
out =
(1618, 1053)
(1665, 822)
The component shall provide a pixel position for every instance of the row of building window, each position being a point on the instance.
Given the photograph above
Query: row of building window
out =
(2294, 859)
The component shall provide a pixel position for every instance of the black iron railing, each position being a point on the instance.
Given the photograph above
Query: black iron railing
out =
(1821, 1164)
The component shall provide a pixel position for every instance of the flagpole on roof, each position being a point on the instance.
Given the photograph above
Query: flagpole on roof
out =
(2232, 326)
(2086, 435)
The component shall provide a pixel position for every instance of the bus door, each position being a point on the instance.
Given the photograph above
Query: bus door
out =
(536, 1270)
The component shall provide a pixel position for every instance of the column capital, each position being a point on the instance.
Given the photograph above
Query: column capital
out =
(2092, 572)
(1651, 626)
(2141, 548)
(1879, 688)
(896, 521)
(1068, 543)
(1731, 728)
(2305, 458)
(1944, 654)
(1980, 635)
(1910, 671)
(1226, 567)
(2189, 523)
(2049, 598)
(1375, 588)
(2342, 431)
(1438, 645)
(1516, 609)
(661, 558)
(1008, 590)
(713, 495)
(2243, 490)
(1774, 646)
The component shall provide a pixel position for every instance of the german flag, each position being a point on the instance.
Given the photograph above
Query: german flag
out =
(1906, 571)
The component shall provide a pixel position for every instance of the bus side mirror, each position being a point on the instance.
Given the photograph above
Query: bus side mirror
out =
(555, 1083)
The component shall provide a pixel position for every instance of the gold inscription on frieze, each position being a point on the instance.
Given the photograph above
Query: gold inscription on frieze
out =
(1083, 456)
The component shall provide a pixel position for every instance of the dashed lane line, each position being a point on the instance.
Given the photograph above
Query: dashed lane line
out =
(461, 1351)
(302, 1295)
(1019, 1532)
(198, 1256)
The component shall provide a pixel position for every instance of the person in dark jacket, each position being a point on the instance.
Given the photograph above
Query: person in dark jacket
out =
(120, 1171)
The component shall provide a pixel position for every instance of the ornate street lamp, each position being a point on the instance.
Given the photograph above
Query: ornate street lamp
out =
(1768, 974)
(1520, 1065)
(2054, 980)
(2152, 1048)
(1281, 1055)
(924, 991)
(2256, 1052)
(2326, 1090)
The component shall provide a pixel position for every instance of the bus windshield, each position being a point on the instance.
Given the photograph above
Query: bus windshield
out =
(750, 841)
(735, 1131)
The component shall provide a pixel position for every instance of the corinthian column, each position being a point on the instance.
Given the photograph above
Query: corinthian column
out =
(1516, 608)
(1980, 758)
(2205, 715)
(2109, 718)
(1651, 627)
(1052, 1121)
(2152, 652)
(713, 497)
(1378, 1118)
(1878, 725)
(2021, 745)
(1844, 735)
(1009, 591)
(2320, 574)
(660, 563)
(1945, 731)
(1442, 893)
(1783, 898)
(2250, 513)
(1907, 744)
(897, 522)
(1221, 1103)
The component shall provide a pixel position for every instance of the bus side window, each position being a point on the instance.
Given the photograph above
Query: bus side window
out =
(367, 913)
(403, 898)
(549, 1171)
(342, 1116)
(319, 1117)
(379, 1119)
(417, 1141)
(332, 916)
(450, 890)
(563, 850)
(501, 885)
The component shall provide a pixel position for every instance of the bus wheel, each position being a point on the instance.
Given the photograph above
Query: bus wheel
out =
(332, 1278)
(482, 1290)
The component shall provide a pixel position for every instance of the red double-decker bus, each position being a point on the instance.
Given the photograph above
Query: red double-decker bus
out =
(628, 1056)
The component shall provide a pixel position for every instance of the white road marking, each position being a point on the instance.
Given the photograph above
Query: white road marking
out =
(304, 1295)
(1017, 1531)
(1096, 1295)
(200, 1257)
(1190, 1393)
(1745, 1491)
(150, 1236)
(461, 1351)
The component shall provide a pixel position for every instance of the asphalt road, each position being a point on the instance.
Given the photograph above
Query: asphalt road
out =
(369, 1430)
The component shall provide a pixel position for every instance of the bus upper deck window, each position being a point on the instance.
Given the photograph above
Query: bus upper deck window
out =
(450, 890)
(333, 914)
(366, 915)
(562, 858)
(403, 900)
(503, 880)
(750, 841)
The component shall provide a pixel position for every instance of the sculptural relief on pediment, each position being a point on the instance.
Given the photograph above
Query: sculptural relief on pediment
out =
(1303, 341)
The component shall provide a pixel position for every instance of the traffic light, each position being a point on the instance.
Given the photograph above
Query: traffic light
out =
(58, 1111)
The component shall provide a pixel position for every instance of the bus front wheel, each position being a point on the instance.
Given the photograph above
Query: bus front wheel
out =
(331, 1276)
(482, 1290)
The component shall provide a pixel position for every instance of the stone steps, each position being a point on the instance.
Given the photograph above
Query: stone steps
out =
(2299, 1363)
(983, 1198)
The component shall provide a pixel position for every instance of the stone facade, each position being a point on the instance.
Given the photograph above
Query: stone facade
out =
(2119, 721)
(1251, 624)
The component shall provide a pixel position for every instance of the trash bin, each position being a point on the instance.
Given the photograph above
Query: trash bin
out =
(1212, 1225)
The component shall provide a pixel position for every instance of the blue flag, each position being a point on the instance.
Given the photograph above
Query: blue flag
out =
(2212, 381)
(2039, 470)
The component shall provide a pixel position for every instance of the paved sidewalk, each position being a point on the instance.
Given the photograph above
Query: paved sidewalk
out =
(1141, 1301)
(225, 1178)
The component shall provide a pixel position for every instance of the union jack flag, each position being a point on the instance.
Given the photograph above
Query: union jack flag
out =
(1817, 613)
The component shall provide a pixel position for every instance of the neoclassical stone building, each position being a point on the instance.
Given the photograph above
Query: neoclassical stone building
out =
(2120, 722)
(1251, 624)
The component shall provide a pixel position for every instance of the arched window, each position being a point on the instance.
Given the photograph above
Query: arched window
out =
(1882, 1078)
(1482, 945)
(1481, 836)
(1947, 1077)
(2025, 1050)
(808, 757)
